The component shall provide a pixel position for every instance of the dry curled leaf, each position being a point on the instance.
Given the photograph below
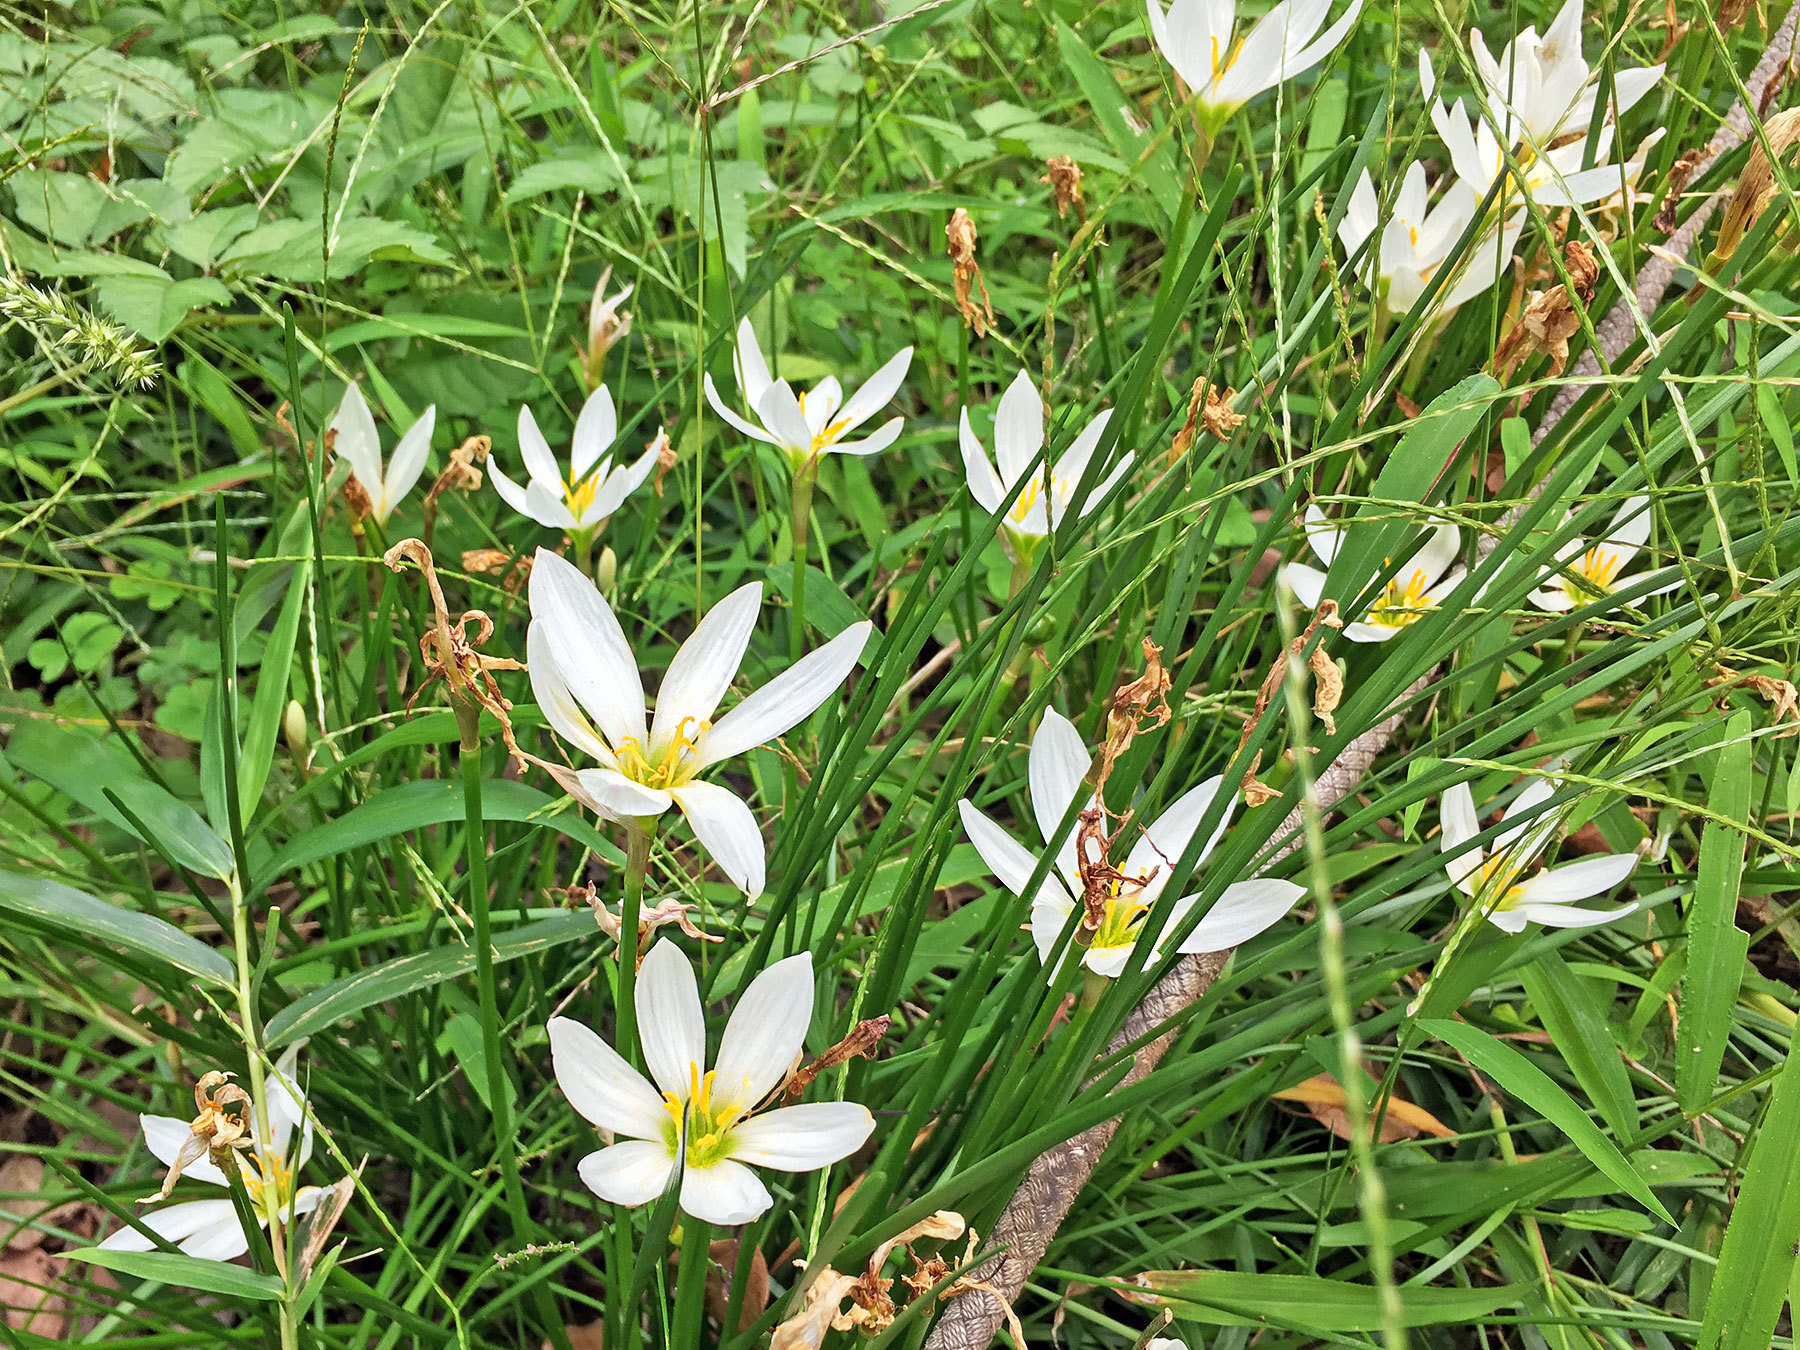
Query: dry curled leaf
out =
(666, 459)
(864, 1037)
(221, 1123)
(1756, 186)
(1208, 410)
(515, 572)
(1324, 1099)
(1551, 316)
(452, 654)
(461, 474)
(871, 1305)
(1328, 689)
(1063, 176)
(1781, 695)
(660, 915)
(1676, 181)
(719, 1277)
(1144, 697)
(961, 237)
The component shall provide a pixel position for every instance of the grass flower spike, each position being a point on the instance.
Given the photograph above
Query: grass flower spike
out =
(594, 488)
(717, 1107)
(1416, 590)
(1048, 494)
(1588, 572)
(1510, 899)
(359, 442)
(586, 680)
(1224, 72)
(814, 422)
(1057, 766)
(209, 1229)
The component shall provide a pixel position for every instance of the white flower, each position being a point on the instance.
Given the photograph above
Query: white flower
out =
(209, 1229)
(1048, 495)
(1589, 572)
(358, 442)
(1511, 903)
(1418, 239)
(814, 422)
(1057, 765)
(1197, 38)
(1541, 89)
(586, 681)
(764, 1037)
(1553, 178)
(1416, 590)
(594, 488)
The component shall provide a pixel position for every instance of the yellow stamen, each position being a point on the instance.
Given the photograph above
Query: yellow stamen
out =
(1600, 568)
(678, 762)
(708, 1124)
(1401, 604)
(578, 497)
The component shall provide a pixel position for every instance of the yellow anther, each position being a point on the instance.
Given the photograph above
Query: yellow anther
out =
(1401, 604)
(1600, 568)
(578, 497)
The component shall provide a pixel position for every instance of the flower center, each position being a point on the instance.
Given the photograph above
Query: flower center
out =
(260, 1174)
(674, 765)
(1499, 875)
(578, 497)
(1600, 569)
(1220, 67)
(709, 1123)
(1402, 603)
(1124, 917)
(1031, 494)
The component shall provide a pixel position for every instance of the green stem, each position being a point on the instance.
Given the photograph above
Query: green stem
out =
(690, 1283)
(804, 477)
(584, 550)
(637, 865)
(499, 1085)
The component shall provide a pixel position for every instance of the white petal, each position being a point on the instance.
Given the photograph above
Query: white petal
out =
(1018, 428)
(1438, 553)
(546, 506)
(1358, 631)
(803, 1138)
(984, 483)
(1049, 913)
(510, 492)
(555, 701)
(722, 822)
(1459, 824)
(600, 1085)
(595, 430)
(671, 1025)
(1108, 961)
(357, 440)
(1581, 880)
(617, 797)
(780, 413)
(766, 1033)
(1243, 910)
(207, 1229)
(1009, 860)
(287, 1110)
(727, 1193)
(752, 370)
(704, 667)
(1161, 845)
(1056, 766)
(540, 462)
(1074, 461)
(408, 460)
(788, 699)
(749, 429)
(620, 484)
(631, 1173)
(820, 404)
(1307, 583)
(877, 391)
(1105, 486)
(1629, 531)
(165, 1136)
(878, 440)
(1536, 793)
(1568, 916)
(589, 646)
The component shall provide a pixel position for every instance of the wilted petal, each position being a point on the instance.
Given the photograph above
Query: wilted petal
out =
(165, 1137)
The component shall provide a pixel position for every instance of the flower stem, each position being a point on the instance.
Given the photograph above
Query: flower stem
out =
(499, 1084)
(690, 1281)
(584, 550)
(804, 478)
(637, 865)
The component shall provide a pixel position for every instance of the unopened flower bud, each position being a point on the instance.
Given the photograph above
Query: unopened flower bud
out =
(293, 727)
(606, 570)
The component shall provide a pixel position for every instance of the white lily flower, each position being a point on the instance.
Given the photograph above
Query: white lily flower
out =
(764, 1037)
(814, 422)
(1417, 241)
(586, 681)
(606, 324)
(1048, 495)
(359, 442)
(1541, 89)
(1589, 572)
(1057, 765)
(1412, 593)
(1495, 878)
(1197, 38)
(209, 1229)
(1553, 178)
(594, 488)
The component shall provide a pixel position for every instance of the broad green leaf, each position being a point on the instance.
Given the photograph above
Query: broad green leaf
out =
(83, 767)
(153, 306)
(1229, 1298)
(1768, 407)
(408, 974)
(272, 690)
(1757, 1260)
(1578, 1032)
(1160, 178)
(1531, 1085)
(1716, 945)
(189, 1272)
(95, 923)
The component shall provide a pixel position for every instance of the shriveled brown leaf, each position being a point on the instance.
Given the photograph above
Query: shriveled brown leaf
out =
(1323, 1096)
(861, 1043)
(1551, 316)
(1756, 185)
(755, 1302)
(961, 239)
(1063, 176)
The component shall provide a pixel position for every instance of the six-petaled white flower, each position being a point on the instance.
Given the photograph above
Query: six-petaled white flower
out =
(209, 1229)
(1496, 879)
(586, 681)
(594, 487)
(815, 421)
(1223, 71)
(359, 443)
(1056, 766)
(1413, 592)
(1587, 572)
(1417, 240)
(1551, 177)
(1047, 497)
(725, 1134)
